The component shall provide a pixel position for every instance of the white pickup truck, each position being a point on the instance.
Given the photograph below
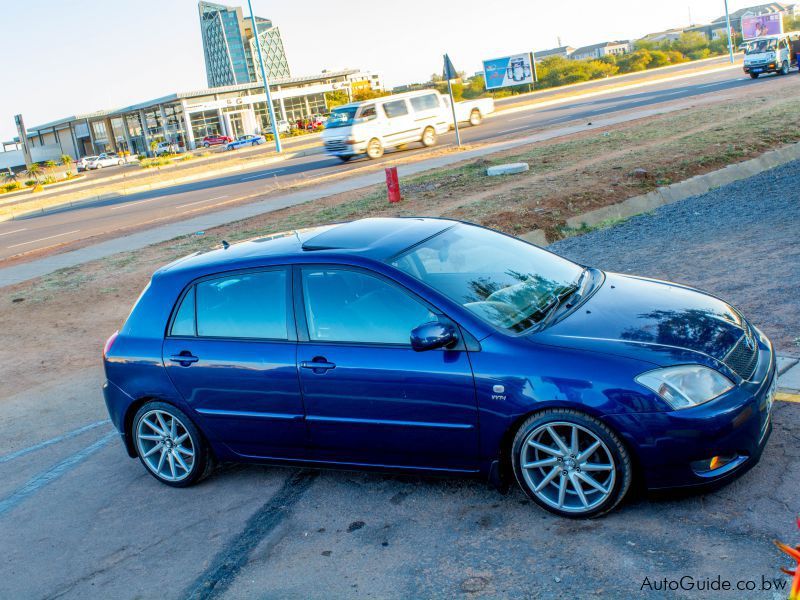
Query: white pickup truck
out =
(371, 126)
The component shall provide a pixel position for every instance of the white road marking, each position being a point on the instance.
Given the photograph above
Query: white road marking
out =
(49, 237)
(262, 175)
(61, 438)
(200, 202)
(129, 204)
(14, 231)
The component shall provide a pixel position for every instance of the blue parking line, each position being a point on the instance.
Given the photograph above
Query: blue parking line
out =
(45, 477)
(50, 442)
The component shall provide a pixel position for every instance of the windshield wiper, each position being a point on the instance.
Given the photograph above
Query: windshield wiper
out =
(551, 307)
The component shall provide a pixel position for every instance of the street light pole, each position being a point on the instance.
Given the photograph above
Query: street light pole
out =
(730, 33)
(270, 108)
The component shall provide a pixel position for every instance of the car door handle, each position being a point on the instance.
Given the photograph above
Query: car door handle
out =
(318, 366)
(184, 359)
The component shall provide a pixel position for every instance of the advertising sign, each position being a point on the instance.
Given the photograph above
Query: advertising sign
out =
(509, 70)
(754, 26)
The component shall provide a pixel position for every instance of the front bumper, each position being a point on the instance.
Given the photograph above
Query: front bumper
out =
(668, 445)
(771, 67)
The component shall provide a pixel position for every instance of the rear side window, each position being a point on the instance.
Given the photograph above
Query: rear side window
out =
(397, 108)
(244, 305)
(427, 102)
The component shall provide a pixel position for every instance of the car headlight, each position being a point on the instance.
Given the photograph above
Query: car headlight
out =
(686, 385)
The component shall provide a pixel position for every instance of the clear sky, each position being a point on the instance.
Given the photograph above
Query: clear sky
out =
(62, 57)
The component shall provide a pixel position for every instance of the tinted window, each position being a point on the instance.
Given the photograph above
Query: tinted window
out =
(397, 108)
(427, 102)
(184, 320)
(348, 306)
(499, 278)
(246, 305)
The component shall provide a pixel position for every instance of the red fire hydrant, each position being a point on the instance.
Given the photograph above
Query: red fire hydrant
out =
(393, 184)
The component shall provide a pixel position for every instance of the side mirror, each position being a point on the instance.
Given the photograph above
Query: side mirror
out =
(433, 335)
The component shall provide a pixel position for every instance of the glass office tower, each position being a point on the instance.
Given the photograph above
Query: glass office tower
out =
(229, 46)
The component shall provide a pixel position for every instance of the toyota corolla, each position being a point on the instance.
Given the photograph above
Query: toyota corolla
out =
(427, 345)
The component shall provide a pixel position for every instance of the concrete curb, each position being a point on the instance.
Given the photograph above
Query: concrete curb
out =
(694, 186)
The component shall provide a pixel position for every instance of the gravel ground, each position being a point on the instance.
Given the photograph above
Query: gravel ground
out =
(739, 242)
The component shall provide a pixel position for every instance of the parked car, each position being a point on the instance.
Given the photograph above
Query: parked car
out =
(106, 159)
(371, 126)
(245, 140)
(168, 148)
(215, 140)
(433, 345)
(284, 127)
(82, 163)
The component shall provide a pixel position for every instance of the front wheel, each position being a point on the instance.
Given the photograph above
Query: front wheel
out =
(429, 137)
(475, 117)
(571, 464)
(206, 145)
(169, 445)
(345, 157)
(784, 68)
(374, 148)
(754, 75)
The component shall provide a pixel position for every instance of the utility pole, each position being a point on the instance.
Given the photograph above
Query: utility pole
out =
(270, 108)
(730, 33)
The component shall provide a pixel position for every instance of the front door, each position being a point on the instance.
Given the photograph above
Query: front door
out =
(370, 398)
(231, 354)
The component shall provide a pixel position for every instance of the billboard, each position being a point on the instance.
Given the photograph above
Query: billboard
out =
(509, 70)
(754, 26)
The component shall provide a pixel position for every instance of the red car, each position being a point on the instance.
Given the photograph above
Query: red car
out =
(215, 140)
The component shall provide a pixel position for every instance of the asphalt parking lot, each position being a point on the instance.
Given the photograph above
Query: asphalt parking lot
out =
(78, 519)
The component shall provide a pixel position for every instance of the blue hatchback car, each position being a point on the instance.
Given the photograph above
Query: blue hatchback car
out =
(427, 345)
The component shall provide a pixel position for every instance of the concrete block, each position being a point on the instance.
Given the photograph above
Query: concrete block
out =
(508, 169)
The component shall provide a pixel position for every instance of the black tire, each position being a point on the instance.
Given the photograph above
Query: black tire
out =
(428, 137)
(475, 117)
(203, 462)
(374, 148)
(754, 75)
(345, 157)
(619, 475)
(206, 145)
(784, 68)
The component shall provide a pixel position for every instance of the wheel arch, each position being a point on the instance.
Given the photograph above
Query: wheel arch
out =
(133, 408)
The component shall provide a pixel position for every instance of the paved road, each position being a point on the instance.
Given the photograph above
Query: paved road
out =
(78, 519)
(91, 219)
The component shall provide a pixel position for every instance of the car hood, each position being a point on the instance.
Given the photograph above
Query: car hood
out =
(645, 319)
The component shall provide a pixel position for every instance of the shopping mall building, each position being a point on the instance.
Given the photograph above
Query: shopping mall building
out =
(234, 103)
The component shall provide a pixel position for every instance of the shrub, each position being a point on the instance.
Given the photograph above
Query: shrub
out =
(30, 183)
(48, 180)
(10, 187)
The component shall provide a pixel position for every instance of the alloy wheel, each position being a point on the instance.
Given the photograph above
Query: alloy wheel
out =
(165, 445)
(567, 467)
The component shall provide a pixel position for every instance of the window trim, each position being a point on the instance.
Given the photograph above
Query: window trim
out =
(303, 333)
(291, 325)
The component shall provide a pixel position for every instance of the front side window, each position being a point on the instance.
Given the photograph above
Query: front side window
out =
(397, 108)
(503, 280)
(350, 306)
(244, 305)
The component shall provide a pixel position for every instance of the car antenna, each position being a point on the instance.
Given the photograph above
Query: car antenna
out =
(225, 245)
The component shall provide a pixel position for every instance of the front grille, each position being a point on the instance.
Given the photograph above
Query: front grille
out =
(335, 146)
(743, 357)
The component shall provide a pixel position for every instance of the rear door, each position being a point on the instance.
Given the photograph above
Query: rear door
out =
(231, 353)
(428, 110)
(371, 399)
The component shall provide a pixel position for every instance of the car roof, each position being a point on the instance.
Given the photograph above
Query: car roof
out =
(375, 238)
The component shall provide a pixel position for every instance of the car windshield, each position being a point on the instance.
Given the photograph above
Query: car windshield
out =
(341, 117)
(758, 46)
(504, 281)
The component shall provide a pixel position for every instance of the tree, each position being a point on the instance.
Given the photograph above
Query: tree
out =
(336, 98)
(368, 95)
(638, 60)
(34, 171)
(659, 58)
(689, 42)
(66, 160)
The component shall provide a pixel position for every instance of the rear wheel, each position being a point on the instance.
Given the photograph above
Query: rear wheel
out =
(169, 445)
(374, 148)
(429, 137)
(754, 75)
(571, 464)
(206, 145)
(475, 117)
